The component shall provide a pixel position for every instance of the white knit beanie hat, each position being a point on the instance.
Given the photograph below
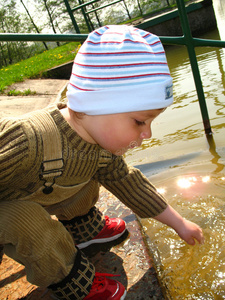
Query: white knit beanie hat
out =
(119, 69)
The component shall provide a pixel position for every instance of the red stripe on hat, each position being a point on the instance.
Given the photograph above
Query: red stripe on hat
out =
(80, 88)
(113, 32)
(122, 33)
(121, 77)
(99, 33)
(120, 42)
(146, 35)
(115, 53)
(122, 65)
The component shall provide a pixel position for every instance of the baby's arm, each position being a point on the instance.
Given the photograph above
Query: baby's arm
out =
(187, 230)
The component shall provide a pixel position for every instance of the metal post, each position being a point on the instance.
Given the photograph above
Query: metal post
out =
(194, 64)
(72, 17)
(85, 16)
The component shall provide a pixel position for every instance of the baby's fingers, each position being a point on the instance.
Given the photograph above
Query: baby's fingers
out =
(197, 234)
(200, 237)
(191, 232)
(191, 241)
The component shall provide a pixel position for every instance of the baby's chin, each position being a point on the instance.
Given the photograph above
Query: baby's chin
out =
(121, 151)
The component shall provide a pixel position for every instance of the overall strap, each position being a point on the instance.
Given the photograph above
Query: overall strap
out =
(52, 164)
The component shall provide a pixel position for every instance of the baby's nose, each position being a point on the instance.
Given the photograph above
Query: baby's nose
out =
(146, 134)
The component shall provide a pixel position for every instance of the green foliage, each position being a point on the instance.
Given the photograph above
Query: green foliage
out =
(10, 21)
(20, 16)
(123, 12)
(21, 93)
(33, 67)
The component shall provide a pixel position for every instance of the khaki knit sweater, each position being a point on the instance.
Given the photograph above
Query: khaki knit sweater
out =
(22, 155)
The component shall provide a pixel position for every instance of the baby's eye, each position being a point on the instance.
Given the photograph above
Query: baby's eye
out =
(140, 123)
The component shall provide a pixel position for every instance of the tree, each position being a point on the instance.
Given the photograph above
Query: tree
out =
(55, 12)
(13, 20)
(32, 22)
(10, 21)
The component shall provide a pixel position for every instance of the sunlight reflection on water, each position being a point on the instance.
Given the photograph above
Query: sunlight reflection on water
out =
(193, 272)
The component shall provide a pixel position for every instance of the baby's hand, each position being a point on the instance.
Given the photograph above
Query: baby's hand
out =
(189, 232)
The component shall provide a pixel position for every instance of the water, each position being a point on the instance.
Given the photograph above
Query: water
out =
(189, 170)
(219, 9)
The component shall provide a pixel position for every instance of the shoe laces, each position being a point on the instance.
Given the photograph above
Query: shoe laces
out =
(99, 280)
(107, 220)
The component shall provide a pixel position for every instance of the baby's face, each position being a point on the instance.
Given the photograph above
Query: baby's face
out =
(119, 132)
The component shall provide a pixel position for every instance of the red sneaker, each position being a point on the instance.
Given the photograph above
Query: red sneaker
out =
(113, 229)
(106, 289)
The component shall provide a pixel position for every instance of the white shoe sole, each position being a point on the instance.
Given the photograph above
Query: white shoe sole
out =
(124, 295)
(100, 241)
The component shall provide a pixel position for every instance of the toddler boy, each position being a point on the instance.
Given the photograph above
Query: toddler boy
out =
(53, 161)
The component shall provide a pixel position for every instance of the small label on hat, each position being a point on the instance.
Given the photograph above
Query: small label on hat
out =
(169, 92)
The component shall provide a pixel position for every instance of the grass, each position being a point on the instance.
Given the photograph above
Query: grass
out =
(20, 93)
(34, 67)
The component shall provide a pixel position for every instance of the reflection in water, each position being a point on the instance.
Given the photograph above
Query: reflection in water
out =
(219, 9)
(179, 130)
(221, 66)
(216, 156)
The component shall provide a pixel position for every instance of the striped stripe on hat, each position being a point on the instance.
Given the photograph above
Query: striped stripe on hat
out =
(119, 69)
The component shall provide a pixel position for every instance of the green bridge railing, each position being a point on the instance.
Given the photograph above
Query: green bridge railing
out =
(82, 6)
(186, 40)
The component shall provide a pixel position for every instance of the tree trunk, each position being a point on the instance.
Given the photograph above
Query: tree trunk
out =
(3, 61)
(50, 18)
(32, 21)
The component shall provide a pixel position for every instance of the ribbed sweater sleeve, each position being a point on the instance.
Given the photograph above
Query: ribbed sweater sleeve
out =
(132, 188)
(14, 154)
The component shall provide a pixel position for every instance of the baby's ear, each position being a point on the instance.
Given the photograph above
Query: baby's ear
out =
(81, 114)
(76, 114)
(61, 105)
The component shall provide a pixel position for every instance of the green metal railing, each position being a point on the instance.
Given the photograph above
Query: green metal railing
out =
(83, 7)
(186, 40)
(191, 43)
(194, 65)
